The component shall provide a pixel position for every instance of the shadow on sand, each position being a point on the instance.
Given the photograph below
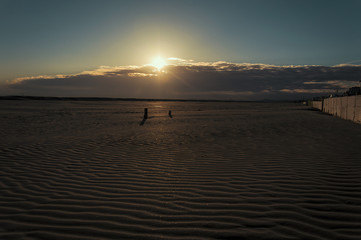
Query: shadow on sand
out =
(142, 122)
(146, 116)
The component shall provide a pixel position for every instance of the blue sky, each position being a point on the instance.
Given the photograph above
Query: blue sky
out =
(68, 37)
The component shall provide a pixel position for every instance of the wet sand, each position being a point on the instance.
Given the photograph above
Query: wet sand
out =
(89, 170)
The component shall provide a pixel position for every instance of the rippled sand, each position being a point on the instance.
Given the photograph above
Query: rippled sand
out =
(89, 170)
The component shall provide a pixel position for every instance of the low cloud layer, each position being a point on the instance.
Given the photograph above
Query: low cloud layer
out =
(189, 80)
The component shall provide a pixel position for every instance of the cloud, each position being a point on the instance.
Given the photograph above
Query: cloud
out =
(175, 60)
(341, 84)
(197, 80)
(298, 90)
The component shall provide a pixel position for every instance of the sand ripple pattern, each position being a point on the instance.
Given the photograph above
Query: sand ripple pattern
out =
(87, 170)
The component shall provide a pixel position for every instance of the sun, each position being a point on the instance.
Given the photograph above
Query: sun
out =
(159, 63)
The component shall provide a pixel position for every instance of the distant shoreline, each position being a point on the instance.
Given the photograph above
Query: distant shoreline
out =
(126, 99)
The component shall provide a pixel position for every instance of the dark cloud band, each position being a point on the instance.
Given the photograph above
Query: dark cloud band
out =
(218, 80)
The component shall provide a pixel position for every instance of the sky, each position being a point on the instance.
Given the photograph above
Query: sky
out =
(245, 50)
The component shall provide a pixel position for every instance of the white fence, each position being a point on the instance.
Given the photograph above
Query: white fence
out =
(348, 107)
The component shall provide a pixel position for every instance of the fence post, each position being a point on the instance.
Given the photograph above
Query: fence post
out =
(346, 107)
(354, 109)
(322, 105)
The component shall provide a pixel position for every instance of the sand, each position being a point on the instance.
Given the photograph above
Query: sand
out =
(88, 170)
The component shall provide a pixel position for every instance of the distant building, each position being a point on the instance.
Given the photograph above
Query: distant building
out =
(353, 91)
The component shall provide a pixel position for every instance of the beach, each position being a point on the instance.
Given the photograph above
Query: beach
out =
(215, 170)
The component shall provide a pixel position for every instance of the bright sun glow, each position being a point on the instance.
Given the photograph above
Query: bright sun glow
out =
(159, 62)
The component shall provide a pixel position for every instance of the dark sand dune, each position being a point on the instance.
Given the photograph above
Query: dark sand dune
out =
(88, 170)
